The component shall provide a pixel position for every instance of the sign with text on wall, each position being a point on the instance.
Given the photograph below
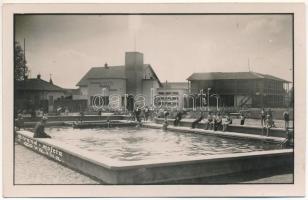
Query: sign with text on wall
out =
(41, 148)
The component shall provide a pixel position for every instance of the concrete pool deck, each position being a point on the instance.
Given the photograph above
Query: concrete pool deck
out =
(155, 171)
(33, 168)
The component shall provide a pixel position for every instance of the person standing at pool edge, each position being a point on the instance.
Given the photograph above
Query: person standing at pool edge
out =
(165, 124)
(137, 113)
(242, 118)
(286, 118)
(178, 118)
(263, 117)
(146, 113)
(39, 130)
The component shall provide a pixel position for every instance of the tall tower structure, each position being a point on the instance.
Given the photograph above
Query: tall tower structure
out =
(134, 72)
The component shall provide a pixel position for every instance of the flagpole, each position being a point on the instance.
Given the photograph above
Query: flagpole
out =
(24, 59)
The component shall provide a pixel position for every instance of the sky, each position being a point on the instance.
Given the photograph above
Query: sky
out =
(67, 46)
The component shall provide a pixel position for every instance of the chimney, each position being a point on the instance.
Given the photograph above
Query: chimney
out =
(38, 76)
(166, 84)
(50, 80)
(106, 66)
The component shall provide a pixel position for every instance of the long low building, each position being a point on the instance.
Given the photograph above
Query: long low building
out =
(36, 93)
(238, 89)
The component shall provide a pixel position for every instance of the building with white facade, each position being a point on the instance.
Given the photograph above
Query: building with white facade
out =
(122, 85)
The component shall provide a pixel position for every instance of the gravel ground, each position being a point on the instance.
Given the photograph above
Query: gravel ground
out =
(32, 168)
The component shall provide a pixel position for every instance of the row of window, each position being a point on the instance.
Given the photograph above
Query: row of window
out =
(168, 93)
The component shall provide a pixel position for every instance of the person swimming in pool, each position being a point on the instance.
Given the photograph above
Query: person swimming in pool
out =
(165, 125)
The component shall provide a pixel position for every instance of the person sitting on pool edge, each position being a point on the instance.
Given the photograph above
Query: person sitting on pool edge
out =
(217, 122)
(226, 121)
(39, 130)
(178, 118)
(194, 124)
(208, 121)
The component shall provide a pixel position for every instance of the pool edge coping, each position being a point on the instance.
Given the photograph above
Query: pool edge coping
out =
(123, 165)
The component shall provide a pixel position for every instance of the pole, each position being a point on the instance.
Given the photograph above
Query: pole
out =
(24, 59)
(208, 99)
(135, 43)
(201, 97)
(217, 100)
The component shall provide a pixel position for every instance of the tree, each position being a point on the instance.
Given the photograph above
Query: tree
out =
(20, 64)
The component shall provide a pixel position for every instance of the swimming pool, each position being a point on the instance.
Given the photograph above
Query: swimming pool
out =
(150, 156)
(136, 144)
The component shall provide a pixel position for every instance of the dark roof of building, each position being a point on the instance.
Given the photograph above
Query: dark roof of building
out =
(36, 84)
(110, 72)
(72, 91)
(175, 85)
(232, 76)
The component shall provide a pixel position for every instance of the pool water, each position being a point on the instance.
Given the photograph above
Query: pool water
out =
(135, 144)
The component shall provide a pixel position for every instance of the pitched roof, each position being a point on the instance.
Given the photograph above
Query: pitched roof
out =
(175, 85)
(232, 75)
(110, 72)
(151, 69)
(36, 84)
(116, 72)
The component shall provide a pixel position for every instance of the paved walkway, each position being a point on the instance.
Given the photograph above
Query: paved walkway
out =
(32, 168)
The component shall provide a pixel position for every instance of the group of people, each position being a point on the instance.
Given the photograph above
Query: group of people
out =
(140, 113)
(214, 121)
(267, 118)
